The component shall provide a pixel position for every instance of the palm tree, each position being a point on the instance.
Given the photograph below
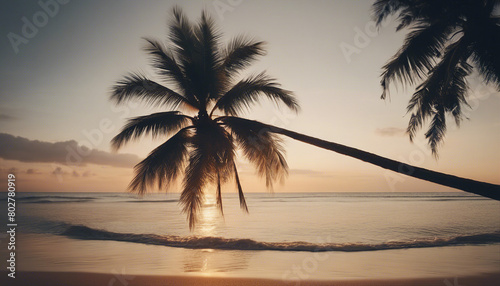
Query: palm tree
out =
(205, 82)
(446, 41)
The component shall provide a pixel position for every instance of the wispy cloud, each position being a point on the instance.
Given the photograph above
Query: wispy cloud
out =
(66, 152)
(32, 172)
(390, 131)
(5, 117)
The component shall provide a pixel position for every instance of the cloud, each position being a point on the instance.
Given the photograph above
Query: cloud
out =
(58, 171)
(32, 172)
(390, 131)
(66, 152)
(5, 117)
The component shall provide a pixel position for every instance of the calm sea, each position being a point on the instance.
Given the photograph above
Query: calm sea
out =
(286, 236)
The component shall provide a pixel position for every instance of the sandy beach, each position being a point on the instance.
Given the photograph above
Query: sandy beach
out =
(96, 279)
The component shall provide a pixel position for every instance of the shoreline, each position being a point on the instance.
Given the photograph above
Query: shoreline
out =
(97, 279)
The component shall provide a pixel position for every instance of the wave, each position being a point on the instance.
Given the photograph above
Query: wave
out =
(27, 198)
(81, 199)
(54, 199)
(59, 201)
(195, 242)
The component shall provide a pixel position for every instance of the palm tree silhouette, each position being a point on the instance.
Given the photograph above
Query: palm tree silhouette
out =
(204, 77)
(447, 40)
(205, 82)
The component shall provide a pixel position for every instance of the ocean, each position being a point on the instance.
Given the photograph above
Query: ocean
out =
(288, 236)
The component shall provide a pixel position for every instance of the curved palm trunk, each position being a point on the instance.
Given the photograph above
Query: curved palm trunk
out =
(480, 188)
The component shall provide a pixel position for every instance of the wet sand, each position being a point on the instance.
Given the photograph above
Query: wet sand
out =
(97, 279)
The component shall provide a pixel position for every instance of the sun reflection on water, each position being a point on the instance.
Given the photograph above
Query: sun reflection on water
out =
(213, 262)
(209, 217)
(202, 260)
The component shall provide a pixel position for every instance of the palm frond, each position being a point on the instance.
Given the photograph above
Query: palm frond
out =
(188, 49)
(182, 37)
(445, 38)
(414, 60)
(219, 195)
(421, 104)
(411, 12)
(382, 9)
(197, 175)
(211, 160)
(161, 123)
(247, 91)
(241, 195)
(414, 124)
(406, 18)
(164, 61)
(214, 141)
(444, 91)
(208, 35)
(162, 165)
(137, 87)
(456, 95)
(486, 56)
(240, 53)
(260, 146)
(436, 131)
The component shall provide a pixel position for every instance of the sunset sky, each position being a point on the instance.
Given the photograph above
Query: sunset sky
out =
(56, 85)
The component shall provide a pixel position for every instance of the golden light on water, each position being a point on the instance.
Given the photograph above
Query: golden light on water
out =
(208, 217)
(204, 262)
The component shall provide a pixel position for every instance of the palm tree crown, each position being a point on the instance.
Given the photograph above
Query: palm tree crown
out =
(203, 78)
(447, 39)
